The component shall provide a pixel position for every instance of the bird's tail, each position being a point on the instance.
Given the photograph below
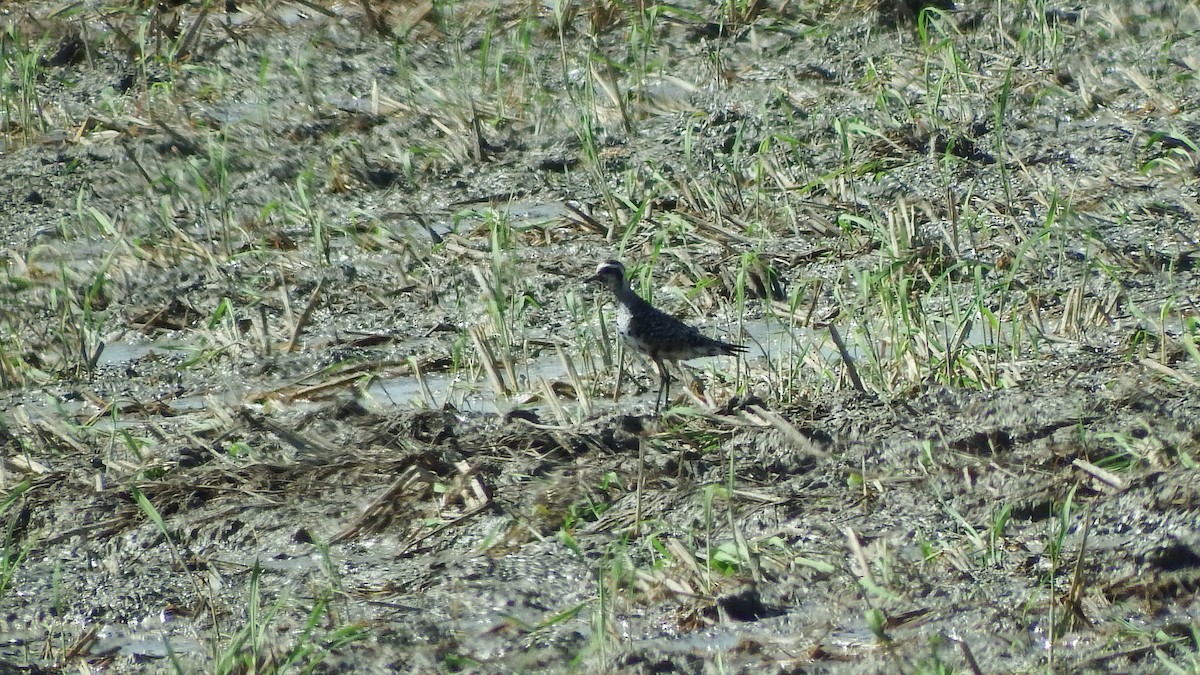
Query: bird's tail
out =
(731, 349)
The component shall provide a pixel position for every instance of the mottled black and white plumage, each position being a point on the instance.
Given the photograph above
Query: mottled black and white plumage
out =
(653, 332)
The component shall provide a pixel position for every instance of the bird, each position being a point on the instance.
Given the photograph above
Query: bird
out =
(653, 332)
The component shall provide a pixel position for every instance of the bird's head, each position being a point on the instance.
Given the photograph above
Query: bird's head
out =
(611, 273)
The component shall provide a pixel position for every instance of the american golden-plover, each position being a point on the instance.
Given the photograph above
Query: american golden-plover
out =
(655, 333)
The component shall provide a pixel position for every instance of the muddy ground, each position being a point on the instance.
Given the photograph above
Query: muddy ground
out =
(299, 372)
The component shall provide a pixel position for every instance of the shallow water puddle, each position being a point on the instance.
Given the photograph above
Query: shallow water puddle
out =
(469, 394)
(119, 353)
(769, 342)
(146, 646)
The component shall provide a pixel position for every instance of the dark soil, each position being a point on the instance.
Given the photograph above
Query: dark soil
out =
(299, 371)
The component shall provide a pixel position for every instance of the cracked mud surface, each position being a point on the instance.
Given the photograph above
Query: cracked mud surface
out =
(258, 264)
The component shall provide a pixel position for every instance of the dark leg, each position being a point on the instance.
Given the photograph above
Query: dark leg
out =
(664, 385)
(620, 370)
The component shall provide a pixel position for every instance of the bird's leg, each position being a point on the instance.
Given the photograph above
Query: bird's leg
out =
(620, 370)
(664, 387)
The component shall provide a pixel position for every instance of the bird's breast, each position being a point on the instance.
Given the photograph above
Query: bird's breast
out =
(629, 331)
(624, 321)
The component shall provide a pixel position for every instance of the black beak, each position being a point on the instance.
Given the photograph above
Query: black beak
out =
(592, 279)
